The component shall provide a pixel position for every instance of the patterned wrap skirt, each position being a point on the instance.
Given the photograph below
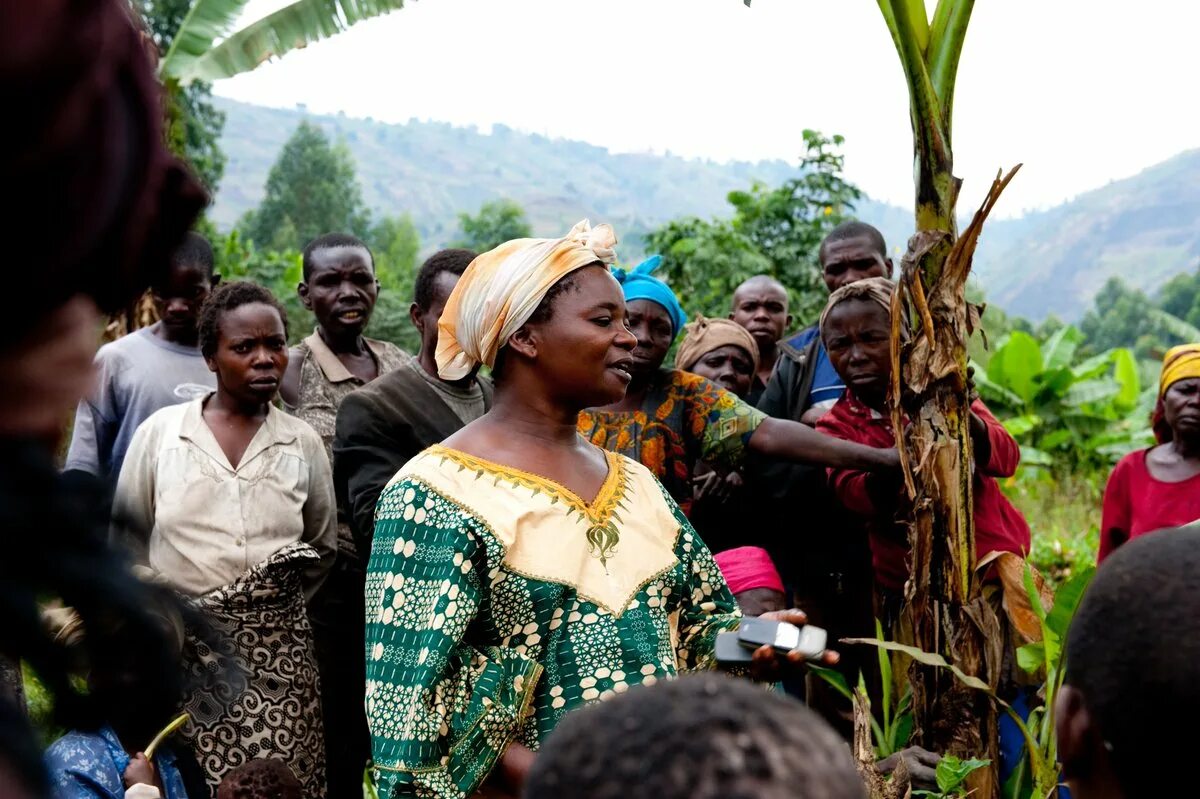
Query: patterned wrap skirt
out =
(255, 688)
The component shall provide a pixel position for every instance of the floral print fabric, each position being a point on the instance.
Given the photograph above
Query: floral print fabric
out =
(468, 649)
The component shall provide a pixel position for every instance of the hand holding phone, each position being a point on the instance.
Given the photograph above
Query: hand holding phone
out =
(738, 647)
(783, 637)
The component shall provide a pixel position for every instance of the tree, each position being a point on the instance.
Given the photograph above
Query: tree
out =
(312, 189)
(1125, 317)
(498, 221)
(193, 123)
(788, 223)
(775, 231)
(945, 609)
(395, 244)
(704, 261)
(194, 54)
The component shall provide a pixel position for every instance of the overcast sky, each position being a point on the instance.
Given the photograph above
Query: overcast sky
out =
(1081, 91)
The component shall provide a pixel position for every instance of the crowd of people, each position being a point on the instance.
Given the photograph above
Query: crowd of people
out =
(478, 570)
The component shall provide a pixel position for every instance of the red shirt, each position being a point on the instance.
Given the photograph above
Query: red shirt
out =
(1136, 503)
(998, 525)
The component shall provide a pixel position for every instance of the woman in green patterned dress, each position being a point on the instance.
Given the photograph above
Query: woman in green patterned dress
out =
(518, 571)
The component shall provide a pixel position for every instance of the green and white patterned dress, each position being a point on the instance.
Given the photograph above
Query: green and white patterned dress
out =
(497, 601)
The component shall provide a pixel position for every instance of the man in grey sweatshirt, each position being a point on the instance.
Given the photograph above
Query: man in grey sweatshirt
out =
(148, 369)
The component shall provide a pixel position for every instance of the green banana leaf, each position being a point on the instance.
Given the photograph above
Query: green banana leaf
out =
(194, 55)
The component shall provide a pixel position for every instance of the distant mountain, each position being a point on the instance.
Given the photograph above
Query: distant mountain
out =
(1145, 228)
(433, 170)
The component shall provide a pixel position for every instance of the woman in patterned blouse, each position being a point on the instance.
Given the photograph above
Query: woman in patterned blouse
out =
(519, 571)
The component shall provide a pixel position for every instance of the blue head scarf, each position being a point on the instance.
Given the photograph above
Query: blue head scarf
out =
(640, 284)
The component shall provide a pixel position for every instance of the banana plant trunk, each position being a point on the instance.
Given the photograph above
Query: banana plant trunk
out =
(944, 609)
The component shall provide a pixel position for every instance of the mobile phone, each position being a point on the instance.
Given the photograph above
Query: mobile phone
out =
(809, 640)
(729, 650)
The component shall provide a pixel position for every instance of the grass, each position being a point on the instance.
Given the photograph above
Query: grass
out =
(1064, 516)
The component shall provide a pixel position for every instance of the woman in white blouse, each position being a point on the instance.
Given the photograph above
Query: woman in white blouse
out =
(231, 501)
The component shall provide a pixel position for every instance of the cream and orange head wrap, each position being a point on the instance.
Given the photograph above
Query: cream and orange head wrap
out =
(503, 287)
(705, 335)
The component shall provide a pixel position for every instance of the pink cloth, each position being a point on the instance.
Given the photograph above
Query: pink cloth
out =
(748, 567)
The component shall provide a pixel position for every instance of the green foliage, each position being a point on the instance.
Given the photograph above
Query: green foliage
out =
(1068, 414)
(311, 190)
(498, 221)
(1125, 317)
(281, 271)
(951, 775)
(1037, 773)
(195, 55)
(395, 244)
(704, 261)
(776, 231)
(1063, 512)
(193, 124)
(893, 727)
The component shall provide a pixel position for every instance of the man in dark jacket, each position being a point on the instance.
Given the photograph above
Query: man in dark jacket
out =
(805, 385)
(387, 422)
(824, 558)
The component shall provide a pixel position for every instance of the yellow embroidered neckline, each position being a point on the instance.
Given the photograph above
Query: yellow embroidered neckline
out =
(599, 511)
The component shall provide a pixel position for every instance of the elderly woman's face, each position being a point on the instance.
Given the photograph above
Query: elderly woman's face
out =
(1181, 408)
(857, 337)
(728, 366)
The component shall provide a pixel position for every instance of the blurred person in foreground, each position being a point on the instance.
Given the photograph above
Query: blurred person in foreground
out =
(1159, 487)
(519, 571)
(102, 206)
(1132, 653)
(231, 501)
(700, 737)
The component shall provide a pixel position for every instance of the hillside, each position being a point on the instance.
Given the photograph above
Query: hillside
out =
(434, 170)
(1143, 228)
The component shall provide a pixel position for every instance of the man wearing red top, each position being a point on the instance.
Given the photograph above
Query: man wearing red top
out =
(855, 328)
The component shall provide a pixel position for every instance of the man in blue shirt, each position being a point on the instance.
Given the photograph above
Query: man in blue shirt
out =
(804, 385)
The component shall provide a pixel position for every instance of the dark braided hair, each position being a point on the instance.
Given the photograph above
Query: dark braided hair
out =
(225, 298)
(260, 779)
(699, 737)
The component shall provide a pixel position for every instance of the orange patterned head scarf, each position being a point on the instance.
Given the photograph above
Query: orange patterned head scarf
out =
(503, 287)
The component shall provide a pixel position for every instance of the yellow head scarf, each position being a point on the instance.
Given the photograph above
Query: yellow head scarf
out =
(1180, 363)
(503, 287)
